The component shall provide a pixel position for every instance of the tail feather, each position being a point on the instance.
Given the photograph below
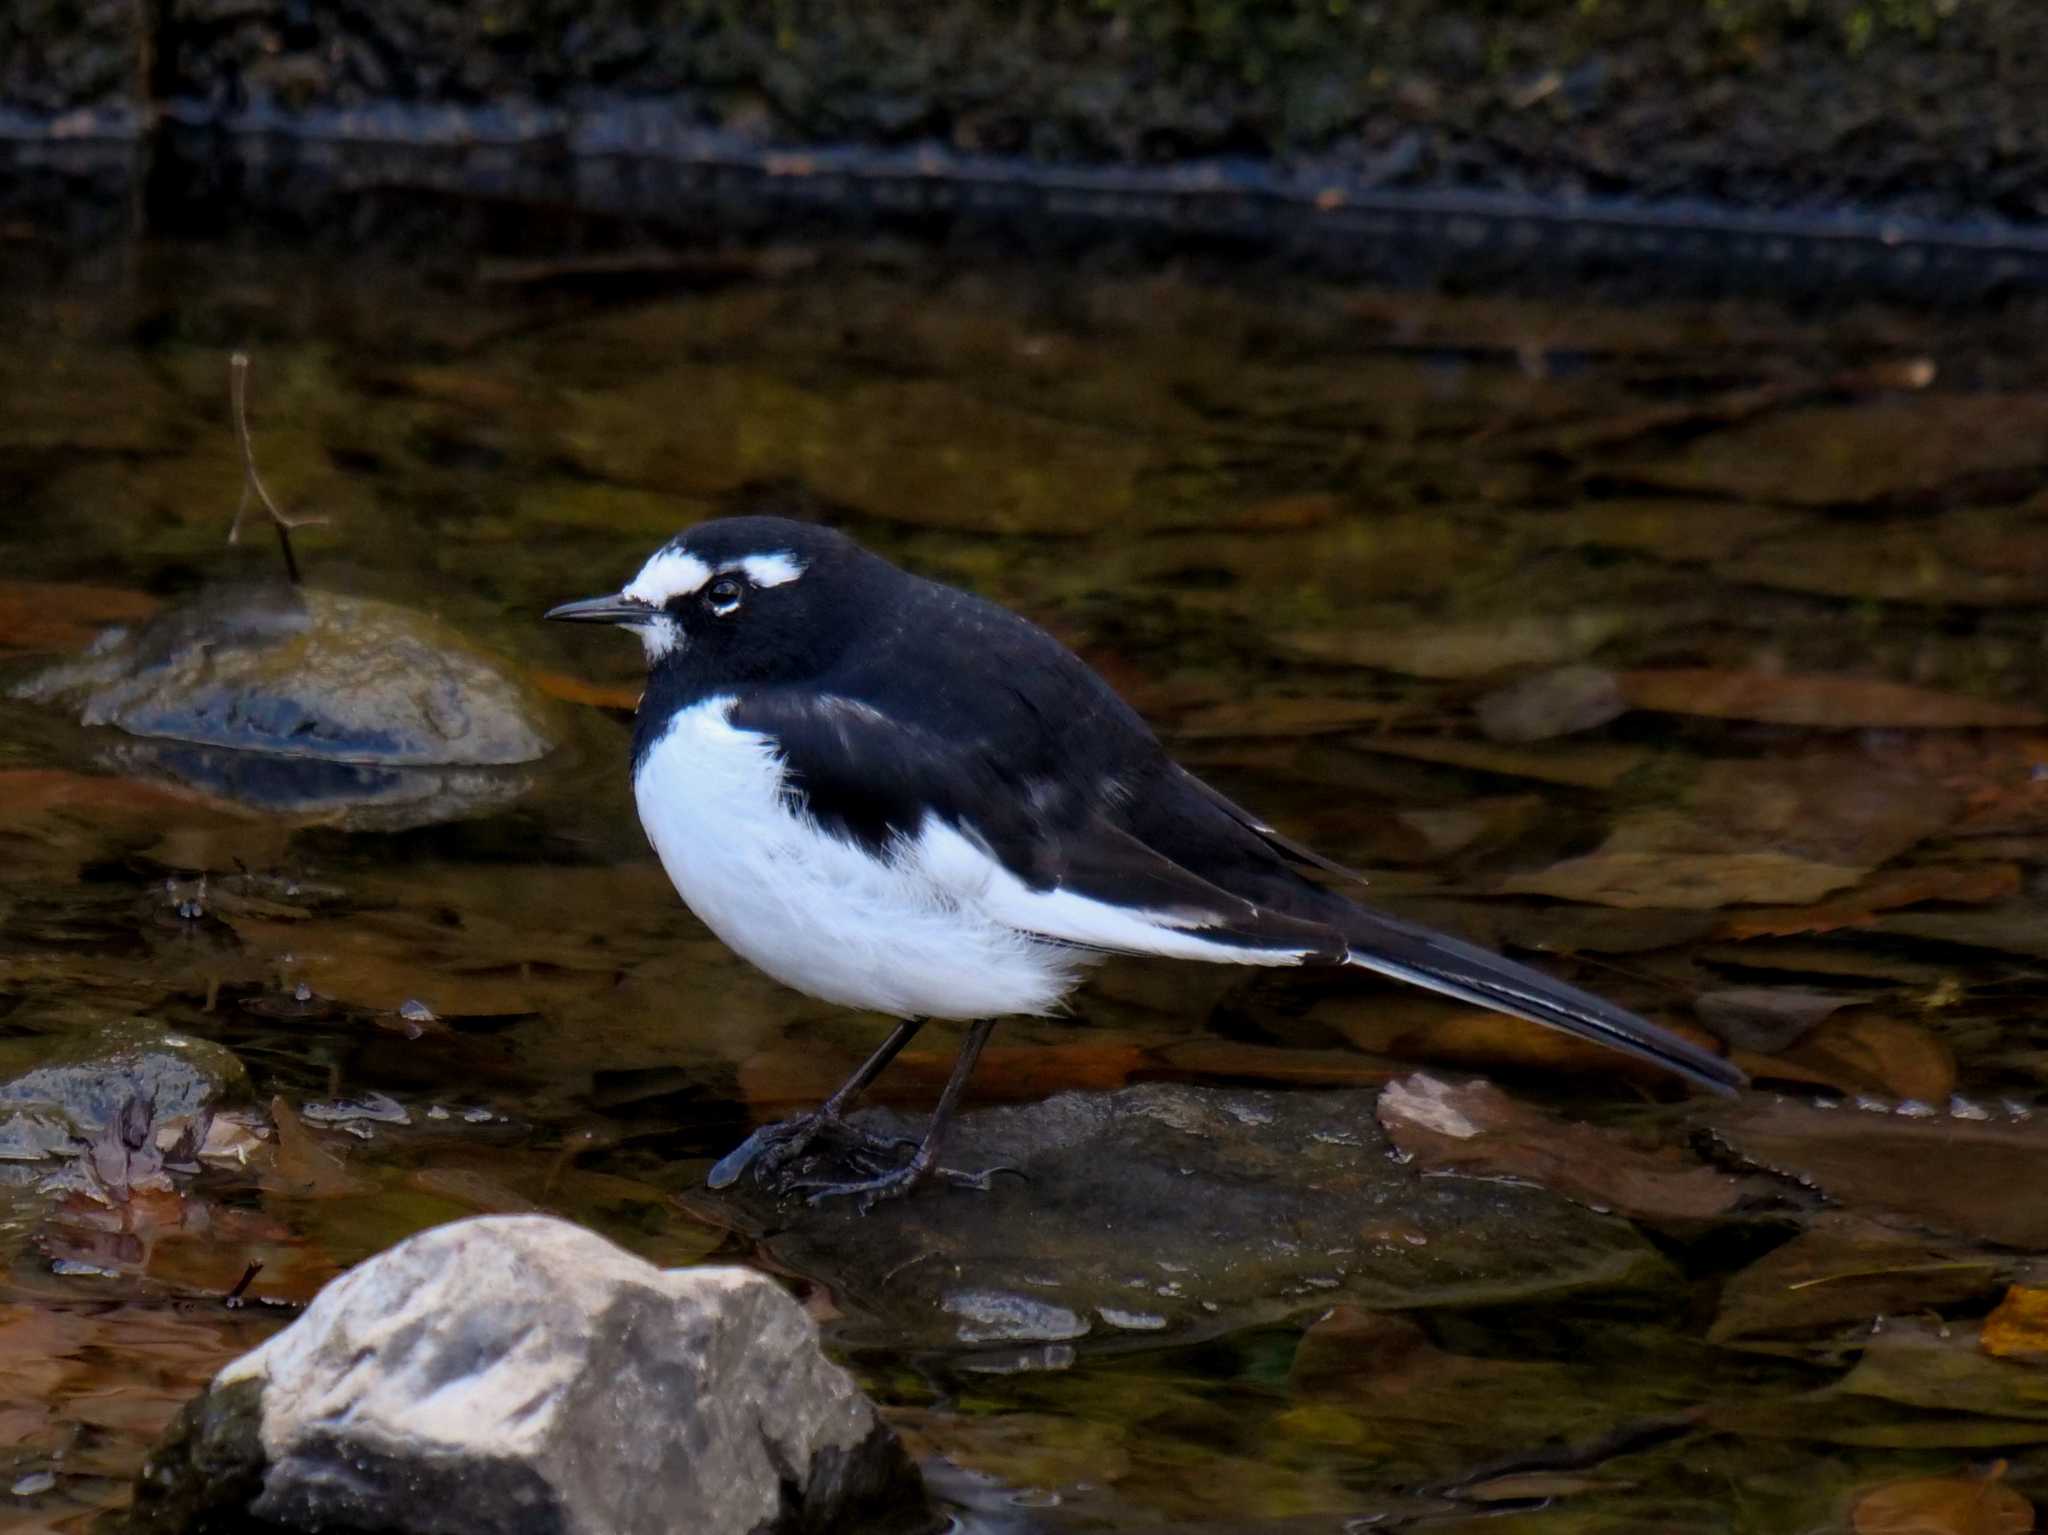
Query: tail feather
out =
(1472, 974)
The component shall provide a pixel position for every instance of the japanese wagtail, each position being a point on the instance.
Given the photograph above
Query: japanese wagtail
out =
(893, 795)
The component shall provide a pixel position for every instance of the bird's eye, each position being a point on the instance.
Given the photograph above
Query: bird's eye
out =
(723, 595)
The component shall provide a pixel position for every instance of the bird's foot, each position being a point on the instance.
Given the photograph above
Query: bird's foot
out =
(895, 1182)
(772, 1150)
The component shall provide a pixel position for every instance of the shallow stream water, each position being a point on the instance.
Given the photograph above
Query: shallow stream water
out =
(1696, 648)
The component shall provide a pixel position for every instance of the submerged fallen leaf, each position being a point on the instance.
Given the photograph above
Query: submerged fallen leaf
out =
(623, 696)
(1869, 1053)
(1831, 454)
(1427, 1030)
(1686, 881)
(1963, 883)
(780, 1077)
(1939, 1367)
(1229, 1060)
(1577, 764)
(1942, 1505)
(63, 615)
(1285, 716)
(1767, 1018)
(1974, 1177)
(1848, 1270)
(1477, 648)
(2018, 1327)
(1766, 831)
(1474, 1127)
(303, 1167)
(1560, 702)
(1826, 703)
(1538, 1486)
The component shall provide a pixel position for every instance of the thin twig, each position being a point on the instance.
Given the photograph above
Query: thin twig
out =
(252, 482)
(234, 1297)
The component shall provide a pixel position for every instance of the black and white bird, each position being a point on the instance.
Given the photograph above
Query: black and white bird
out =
(895, 796)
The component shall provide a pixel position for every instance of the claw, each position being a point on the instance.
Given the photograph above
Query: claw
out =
(727, 1170)
(897, 1182)
(868, 1191)
(773, 1148)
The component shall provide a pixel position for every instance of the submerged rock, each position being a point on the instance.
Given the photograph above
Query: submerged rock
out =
(294, 672)
(309, 703)
(129, 1090)
(1171, 1212)
(521, 1373)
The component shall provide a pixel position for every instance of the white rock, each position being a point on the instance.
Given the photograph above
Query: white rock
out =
(520, 1373)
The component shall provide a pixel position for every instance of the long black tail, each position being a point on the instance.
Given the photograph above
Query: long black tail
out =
(1472, 974)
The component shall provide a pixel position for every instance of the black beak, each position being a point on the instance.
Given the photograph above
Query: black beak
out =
(600, 610)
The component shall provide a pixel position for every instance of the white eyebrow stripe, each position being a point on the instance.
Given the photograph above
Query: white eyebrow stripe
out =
(768, 569)
(670, 573)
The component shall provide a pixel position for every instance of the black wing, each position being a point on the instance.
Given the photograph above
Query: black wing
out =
(874, 779)
(962, 709)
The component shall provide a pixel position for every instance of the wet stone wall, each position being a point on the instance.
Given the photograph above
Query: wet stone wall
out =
(1915, 107)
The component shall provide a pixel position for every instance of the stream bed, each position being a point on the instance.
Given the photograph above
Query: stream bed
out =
(1695, 648)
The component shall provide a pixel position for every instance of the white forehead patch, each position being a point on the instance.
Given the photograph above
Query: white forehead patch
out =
(669, 574)
(769, 569)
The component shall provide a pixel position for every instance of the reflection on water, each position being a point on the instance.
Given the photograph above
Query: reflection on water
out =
(1696, 646)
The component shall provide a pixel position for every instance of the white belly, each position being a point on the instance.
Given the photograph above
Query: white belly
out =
(817, 912)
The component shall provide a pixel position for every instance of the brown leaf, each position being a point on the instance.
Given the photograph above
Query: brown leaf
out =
(1477, 648)
(1474, 1127)
(52, 615)
(1848, 1270)
(1833, 454)
(785, 1075)
(1286, 715)
(1767, 1018)
(1769, 831)
(1888, 889)
(1975, 1177)
(1867, 1052)
(1578, 764)
(2018, 1328)
(29, 793)
(1938, 1367)
(1559, 702)
(1942, 1505)
(623, 696)
(1827, 703)
(1685, 881)
(1427, 1029)
(1979, 555)
(1281, 513)
(1233, 1061)
(303, 1167)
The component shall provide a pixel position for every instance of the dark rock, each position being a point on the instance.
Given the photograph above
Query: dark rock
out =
(520, 1373)
(1170, 1212)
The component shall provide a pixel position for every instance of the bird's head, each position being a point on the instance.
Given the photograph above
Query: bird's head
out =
(739, 600)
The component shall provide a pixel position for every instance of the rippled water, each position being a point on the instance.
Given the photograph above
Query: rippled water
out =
(1699, 646)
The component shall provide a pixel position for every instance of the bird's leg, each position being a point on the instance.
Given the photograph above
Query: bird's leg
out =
(776, 1146)
(923, 1163)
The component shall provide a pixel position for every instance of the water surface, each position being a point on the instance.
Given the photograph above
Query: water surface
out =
(1698, 647)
